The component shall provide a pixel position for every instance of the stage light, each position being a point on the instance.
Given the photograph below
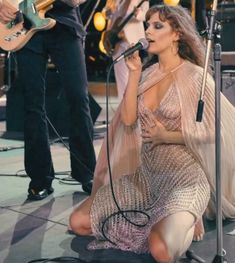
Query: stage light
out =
(99, 21)
(171, 2)
(101, 47)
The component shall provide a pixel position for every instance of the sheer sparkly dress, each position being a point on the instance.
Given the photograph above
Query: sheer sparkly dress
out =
(168, 180)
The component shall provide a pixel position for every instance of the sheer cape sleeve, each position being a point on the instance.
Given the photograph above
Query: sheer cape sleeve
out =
(124, 152)
(199, 137)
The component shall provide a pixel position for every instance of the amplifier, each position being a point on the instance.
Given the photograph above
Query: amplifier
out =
(228, 85)
(226, 16)
(226, 12)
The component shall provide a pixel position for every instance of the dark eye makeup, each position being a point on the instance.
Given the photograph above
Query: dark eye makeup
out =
(156, 25)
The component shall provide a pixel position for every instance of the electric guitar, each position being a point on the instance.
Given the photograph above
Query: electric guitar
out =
(30, 18)
(110, 37)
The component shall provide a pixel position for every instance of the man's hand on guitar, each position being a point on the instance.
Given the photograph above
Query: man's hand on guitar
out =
(7, 12)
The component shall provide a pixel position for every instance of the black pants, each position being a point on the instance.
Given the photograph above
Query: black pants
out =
(66, 51)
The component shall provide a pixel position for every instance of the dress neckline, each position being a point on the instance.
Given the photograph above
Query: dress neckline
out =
(162, 100)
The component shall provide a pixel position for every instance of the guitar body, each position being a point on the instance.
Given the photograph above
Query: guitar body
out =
(30, 19)
(111, 37)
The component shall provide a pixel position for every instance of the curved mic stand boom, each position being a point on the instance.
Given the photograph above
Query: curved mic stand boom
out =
(213, 33)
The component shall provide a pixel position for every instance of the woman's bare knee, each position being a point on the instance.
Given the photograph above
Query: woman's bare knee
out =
(158, 248)
(80, 223)
(80, 219)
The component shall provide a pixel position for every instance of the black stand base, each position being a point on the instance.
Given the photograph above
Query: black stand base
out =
(192, 256)
(219, 259)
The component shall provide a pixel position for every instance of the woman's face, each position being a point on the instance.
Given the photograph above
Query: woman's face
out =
(160, 35)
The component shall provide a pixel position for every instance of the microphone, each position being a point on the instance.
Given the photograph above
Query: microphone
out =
(141, 44)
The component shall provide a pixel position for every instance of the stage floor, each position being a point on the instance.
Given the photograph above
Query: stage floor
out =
(33, 230)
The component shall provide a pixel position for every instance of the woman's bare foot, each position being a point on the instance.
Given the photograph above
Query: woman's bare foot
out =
(199, 231)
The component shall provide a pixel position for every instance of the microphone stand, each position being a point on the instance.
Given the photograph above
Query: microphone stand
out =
(214, 32)
(91, 14)
(220, 257)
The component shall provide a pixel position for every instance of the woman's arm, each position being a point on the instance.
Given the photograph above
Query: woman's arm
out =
(159, 135)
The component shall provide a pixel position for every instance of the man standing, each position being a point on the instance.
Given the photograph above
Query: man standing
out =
(64, 44)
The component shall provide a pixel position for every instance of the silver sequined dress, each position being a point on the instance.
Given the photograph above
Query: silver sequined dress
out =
(168, 180)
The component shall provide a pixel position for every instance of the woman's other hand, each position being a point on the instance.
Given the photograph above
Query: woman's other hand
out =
(155, 135)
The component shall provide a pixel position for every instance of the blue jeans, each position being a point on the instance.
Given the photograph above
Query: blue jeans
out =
(66, 52)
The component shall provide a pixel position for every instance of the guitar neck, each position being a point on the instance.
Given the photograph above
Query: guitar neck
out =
(128, 18)
(42, 4)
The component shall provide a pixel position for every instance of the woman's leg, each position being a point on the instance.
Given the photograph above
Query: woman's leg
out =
(171, 237)
(79, 221)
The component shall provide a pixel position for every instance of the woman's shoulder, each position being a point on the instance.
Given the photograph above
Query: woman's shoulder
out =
(192, 70)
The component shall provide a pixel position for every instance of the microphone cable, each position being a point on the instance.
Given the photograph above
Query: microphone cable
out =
(67, 147)
(120, 210)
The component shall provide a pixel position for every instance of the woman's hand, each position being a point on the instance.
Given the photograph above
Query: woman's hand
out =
(155, 135)
(134, 63)
(7, 12)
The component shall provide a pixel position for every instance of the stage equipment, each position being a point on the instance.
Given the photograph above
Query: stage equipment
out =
(91, 15)
(228, 85)
(213, 35)
(30, 18)
(142, 44)
(226, 16)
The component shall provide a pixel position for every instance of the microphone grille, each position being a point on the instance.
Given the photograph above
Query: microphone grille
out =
(144, 43)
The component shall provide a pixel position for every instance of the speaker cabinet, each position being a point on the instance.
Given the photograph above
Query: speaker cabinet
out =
(228, 36)
(226, 16)
(228, 85)
(56, 106)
